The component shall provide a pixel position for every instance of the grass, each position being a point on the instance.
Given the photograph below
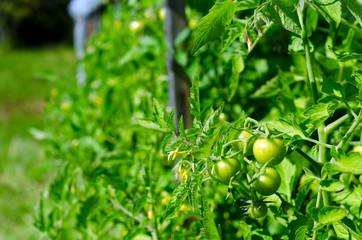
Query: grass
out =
(26, 78)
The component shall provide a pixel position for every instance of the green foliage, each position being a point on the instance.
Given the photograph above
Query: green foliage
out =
(121, 151)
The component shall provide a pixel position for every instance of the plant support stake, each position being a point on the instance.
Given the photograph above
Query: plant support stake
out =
(179, 86)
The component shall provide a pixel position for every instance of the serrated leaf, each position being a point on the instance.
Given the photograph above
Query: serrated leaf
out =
(271, 88)
(247, 4)
(233, 70)
(182, 128)
(233, 31)
(194, 98)
(208, 135)
(159, 115)
(284, 13)
(350, 163)
(283, 126)
(300, 233)
(328, 214)
(330, 9)
(355, 8)
(193, 185)
(173, 207)
(331, 185)
(318, 113)
(209, 230)
(213, 24)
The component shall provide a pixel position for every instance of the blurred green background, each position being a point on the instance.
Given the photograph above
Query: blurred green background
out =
(26, 79)
(35, 52)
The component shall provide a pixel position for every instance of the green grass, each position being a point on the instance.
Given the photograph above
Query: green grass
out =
(26, 78)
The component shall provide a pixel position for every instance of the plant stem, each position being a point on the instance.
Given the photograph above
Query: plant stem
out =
(332, 126)
(351, 26)
(350, 130)
(314, 163)
(322, 137)
(317, 142)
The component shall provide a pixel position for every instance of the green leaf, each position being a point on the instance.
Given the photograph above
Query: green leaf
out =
(350, 163)
(343, 231)
(331, 185)
(355, 8)
(351, 198)
(330, 9)
(318, 113)
(208, 135)
(139, 204)
(283, 126)
(287, 172)
(302, 193)
(173, 207)
(233, 73)
(299, 222)
(213, 24)
(331, 87)
(194, 98)
(245, 229)
(193, 185)
(39, 220)
(312, 20)
(182, 128)
(87, 208)
(159, 115)
(209, 230)
(284, 13)
(296, 45)
(300, 233)
(328, 214)
(271, 88)
(247, 4)
(233, 31)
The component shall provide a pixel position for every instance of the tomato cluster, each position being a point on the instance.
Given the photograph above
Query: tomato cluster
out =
(268, 152)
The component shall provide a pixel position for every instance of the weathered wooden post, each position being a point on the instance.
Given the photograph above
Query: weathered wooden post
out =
(179, 87)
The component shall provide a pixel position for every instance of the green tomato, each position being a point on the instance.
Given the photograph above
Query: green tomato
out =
(225, 169)
(269, 150)
(357, 149)
(258, 210)
(238, 146)
(222, 117)
(268, 182)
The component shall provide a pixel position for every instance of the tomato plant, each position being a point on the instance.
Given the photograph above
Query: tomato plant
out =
(285, 72)
(269, 151)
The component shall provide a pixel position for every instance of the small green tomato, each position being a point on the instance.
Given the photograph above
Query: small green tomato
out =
(238, 146)
(271, 151)
(225, 169)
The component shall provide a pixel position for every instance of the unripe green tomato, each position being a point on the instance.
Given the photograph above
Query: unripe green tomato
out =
(266, 150)
(268, 182)
(238, 146)
(222, 117)
(357, 149)
(258, 210)
(225, 169)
